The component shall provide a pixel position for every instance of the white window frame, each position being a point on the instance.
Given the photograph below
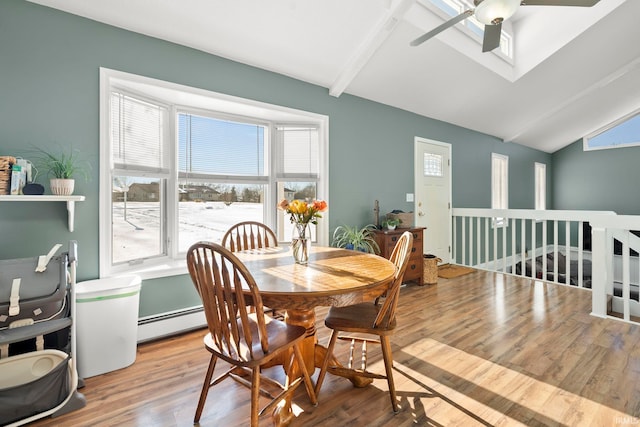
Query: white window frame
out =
(585, 141)
(174, 262)
(540, 191)
(499, 185)
(162, 173)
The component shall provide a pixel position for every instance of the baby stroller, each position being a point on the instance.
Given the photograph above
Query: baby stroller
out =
(38, 375)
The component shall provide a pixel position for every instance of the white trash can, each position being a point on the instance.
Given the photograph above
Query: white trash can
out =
(106, 324)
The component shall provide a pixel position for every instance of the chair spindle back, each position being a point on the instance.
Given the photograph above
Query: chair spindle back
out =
(249, 235)
(400, 258)
(227, 290)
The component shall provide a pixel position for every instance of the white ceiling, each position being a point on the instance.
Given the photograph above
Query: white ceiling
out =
(575, 69)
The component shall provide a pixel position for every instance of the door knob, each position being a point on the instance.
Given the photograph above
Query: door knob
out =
(420, 213)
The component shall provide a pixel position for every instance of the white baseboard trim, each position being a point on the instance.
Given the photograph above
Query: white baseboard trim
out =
(165, 325)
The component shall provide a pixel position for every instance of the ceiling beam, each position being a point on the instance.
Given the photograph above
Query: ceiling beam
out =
(369, 46)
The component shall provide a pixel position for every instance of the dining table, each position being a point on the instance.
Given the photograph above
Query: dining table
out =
(331, 277)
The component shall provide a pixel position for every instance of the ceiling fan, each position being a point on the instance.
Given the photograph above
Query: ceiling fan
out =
(492, 13)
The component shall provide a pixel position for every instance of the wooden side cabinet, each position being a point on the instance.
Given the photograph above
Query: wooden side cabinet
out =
(386, 240)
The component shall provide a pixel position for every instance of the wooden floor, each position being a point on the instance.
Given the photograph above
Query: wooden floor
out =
(479, 350)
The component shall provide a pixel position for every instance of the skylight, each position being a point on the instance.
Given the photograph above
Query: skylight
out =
(473, 28)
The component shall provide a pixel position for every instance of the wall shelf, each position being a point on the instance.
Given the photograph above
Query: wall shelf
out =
(71, 208)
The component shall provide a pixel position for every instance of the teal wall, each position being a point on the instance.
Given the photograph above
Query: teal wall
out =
(49, 66)
(597, 180)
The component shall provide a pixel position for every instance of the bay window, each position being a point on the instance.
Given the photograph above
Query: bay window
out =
(180, 165)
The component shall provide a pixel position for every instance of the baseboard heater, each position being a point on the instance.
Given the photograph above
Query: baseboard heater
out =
(170, 323)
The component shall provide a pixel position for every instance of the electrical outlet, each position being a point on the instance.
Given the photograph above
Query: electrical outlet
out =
(409, 197)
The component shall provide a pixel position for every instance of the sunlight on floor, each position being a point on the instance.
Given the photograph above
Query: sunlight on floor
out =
(495, 390)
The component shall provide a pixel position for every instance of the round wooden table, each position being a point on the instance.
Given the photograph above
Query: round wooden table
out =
(333, 277)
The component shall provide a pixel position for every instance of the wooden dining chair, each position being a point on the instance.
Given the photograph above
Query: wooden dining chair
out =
(378, 318)
(245, 340)
(249, 235)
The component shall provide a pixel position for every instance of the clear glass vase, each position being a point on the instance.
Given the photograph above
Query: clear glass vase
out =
(300, 244)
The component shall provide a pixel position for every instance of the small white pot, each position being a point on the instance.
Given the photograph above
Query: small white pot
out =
(62, 187)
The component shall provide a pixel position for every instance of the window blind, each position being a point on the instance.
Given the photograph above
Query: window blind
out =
(214, 147)
(137, 135)
(298, 151)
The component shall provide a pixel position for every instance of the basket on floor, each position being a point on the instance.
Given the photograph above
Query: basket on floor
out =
(5, 173)
(431, 269)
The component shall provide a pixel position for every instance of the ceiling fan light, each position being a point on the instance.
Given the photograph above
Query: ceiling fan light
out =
(489, 10)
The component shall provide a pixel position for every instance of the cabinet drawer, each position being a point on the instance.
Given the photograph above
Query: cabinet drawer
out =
(387, 240)
(393, 239)
(416, 252)
(414, 270)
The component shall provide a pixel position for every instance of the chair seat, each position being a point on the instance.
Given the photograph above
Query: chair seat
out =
(357, 318)
(282, 335)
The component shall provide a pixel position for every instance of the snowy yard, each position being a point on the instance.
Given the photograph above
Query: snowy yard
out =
(140, 235)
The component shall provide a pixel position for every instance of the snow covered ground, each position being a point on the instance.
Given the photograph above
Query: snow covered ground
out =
(140, 235)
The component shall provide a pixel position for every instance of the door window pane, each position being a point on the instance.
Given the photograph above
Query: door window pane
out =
(432, 164)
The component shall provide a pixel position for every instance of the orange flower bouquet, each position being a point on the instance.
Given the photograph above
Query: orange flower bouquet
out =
(301, 215)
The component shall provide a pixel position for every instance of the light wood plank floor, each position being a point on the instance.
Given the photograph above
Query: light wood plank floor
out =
(480, 350)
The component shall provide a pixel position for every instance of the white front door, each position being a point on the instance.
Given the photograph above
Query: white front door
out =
(432, 170)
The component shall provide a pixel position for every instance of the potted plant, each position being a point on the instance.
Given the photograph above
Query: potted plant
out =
(391, 223)
(61, 168)
(361, 239)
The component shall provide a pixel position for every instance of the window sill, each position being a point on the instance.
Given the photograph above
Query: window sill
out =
(155, 271)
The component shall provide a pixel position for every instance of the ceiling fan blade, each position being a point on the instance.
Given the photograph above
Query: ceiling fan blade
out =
(491, 36)
(440, 28)
(582, 3)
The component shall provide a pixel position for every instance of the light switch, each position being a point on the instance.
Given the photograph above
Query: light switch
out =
(409, 197)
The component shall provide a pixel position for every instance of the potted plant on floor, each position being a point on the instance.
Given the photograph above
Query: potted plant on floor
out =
(361, 239)
(62, 167)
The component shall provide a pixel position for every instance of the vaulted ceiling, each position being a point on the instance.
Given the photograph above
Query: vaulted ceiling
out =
(574, 69)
